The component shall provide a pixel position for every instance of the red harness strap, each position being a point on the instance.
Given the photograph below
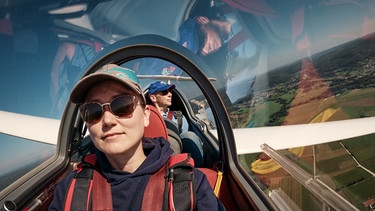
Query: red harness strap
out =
(101, 193)
(93, 188)
(79, 192)
(176, 177)
(170, 114)
(89, 187)
(153, 196)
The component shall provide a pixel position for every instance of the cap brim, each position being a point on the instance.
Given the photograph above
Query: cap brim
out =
(171, 86)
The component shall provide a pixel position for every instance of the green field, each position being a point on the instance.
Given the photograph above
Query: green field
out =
(332, 165)
(360, 192)
(351, 178)
(358, 103)
(363, 149)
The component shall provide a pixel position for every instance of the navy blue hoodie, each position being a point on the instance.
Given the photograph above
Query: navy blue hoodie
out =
(128, 188)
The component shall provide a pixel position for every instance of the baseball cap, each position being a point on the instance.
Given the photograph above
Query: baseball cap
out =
(113, 72)
(189, 35)
(159, 86)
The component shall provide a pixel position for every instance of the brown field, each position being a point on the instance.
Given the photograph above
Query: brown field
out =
(303, 113)
(312, 96)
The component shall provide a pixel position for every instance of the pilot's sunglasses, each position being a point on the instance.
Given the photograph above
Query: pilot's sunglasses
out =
(165, 92)
(122, 107)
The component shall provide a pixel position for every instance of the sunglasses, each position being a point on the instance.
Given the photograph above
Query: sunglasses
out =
(122, 107)
(164, 92)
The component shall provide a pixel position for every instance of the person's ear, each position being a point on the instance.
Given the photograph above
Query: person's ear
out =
(152, 98)
(146, 116)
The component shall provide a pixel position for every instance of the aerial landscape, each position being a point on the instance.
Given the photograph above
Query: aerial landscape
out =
(323, 88)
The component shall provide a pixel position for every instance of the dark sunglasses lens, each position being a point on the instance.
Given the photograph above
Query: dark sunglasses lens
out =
(91, 112)
(123, 106)
(165, 92)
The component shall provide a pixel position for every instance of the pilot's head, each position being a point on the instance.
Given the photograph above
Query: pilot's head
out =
(159, 86)
(202, 35)
(160, 95)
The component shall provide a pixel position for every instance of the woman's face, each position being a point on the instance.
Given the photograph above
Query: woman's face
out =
(115, 135)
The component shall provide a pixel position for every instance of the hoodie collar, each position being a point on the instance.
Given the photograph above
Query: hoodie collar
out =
(157, 151)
